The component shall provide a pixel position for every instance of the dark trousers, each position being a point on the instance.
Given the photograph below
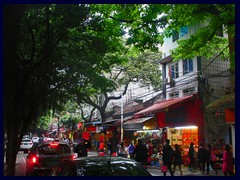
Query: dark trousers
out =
(191, 163)
(230, 173)
(202, 166)
(210, 163)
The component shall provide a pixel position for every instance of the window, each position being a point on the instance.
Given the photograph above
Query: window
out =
(178, 34)
(188, 91)
(175, 36)
(173, 71)
(57, 149)
(187, 66)
(183, 31)
(174, 95)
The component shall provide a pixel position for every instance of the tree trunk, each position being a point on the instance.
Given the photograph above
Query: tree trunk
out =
(12, 17)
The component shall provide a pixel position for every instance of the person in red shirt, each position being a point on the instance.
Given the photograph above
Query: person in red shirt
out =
(227, 166)
(101, 146)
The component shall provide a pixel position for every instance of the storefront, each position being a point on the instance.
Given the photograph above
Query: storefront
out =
(221, 115)
(181, 119)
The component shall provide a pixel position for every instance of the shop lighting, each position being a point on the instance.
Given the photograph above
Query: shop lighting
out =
(186, 127)
(148, 131)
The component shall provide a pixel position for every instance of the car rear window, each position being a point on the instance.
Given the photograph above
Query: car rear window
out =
(54, 149)
(113, 169)
(26, 140)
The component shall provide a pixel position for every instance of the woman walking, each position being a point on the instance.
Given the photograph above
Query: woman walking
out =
(191, 156)
(227, 167)
(177, 159)
(167, 157)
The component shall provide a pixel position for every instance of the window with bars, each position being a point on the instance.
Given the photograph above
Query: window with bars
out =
(173, 71)
(174, 95)
(189, 91)
(187, 66)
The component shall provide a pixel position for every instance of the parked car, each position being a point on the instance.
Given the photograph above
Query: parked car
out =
(43, 156)
(35, 139)
(99, 166)
(26, 145)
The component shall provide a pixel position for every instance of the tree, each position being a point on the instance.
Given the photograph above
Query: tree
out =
(206, 42)
(148, 24)
(38, 69)
(140, 68)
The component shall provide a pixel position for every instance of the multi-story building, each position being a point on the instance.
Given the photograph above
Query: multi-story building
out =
(208, 78)
(189, 86)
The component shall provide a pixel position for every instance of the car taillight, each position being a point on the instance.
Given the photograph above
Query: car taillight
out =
(53, 145)
(73, 156)
(34, 159)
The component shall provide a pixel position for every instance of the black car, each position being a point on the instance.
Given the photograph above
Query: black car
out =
(99, 166)
(44, 156)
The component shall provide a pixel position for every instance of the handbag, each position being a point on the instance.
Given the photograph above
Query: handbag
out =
(164, 168)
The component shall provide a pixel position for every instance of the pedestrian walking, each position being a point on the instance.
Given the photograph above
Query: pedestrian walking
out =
(81, 148)
(141, 153)
(202, 157)
(167, 157)
(109, 146)
(228, 163)
(191, 156)
(131, 150)
(122, 150)
(177, 159)
(210, 158)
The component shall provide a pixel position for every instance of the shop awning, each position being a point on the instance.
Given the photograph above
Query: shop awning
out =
(135, 124)
(137, 120)
(109, 123)
(225, 102)
(118, 122)
(160, 106)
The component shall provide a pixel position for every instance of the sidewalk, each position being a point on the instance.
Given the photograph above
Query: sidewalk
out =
(155, 171)
(20, 168)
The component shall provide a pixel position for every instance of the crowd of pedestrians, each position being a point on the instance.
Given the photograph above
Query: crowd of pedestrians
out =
(203, 159)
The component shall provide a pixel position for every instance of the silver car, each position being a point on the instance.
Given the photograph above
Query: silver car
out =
(26, 145)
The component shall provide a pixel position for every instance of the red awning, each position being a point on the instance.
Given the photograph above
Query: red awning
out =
(160, 106)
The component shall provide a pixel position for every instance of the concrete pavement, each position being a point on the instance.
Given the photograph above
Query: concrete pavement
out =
(155, 171)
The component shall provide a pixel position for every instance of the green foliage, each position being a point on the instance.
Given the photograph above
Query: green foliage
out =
(144, 68)
(198, 45)
(44, 121)
(205, 42)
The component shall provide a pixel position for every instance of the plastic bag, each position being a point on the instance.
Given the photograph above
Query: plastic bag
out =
(164, 168)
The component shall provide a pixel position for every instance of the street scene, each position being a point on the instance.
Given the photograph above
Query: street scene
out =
(119, 90)
(155, 171)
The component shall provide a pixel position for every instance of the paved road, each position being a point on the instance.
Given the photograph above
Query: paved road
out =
(155, 171)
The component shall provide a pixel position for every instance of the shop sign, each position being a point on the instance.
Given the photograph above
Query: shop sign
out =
(229, 115)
